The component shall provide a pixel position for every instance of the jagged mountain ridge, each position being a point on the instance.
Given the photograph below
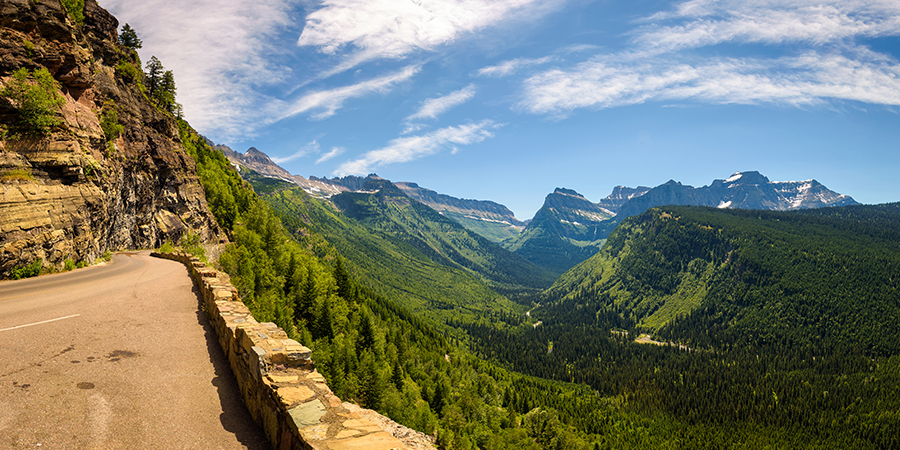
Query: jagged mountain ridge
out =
(569, 229)
(743, 190)
(489, 219)
(259, 162)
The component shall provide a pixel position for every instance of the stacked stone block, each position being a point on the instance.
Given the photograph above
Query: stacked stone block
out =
(278, 381)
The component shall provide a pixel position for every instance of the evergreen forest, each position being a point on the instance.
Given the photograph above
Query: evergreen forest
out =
(692, 327)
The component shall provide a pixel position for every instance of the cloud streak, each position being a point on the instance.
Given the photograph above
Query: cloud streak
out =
(326, 103)
(409, 148)
(373, 29)
(666, 63)
(312, 147)
(512, 66)
(808, 79)
(336, 151)
(221, 54)
(433, 107)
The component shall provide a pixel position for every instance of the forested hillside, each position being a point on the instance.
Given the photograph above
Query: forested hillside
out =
(820, 279)
(787, 323)
(387, 265)
(373, 350)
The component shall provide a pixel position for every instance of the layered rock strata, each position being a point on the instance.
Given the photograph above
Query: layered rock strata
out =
(74, 194)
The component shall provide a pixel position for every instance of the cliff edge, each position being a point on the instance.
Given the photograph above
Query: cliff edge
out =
(76, 191)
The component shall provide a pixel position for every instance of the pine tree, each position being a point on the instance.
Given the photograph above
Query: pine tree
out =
(155, 71)
(342, 279)
(129, 38)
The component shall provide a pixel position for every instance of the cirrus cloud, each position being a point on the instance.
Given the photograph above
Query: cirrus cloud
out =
(666, 61)
(409, 148)
(433, 107)
(393, 29)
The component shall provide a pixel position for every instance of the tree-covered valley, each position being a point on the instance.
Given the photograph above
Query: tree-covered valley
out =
(782, 325)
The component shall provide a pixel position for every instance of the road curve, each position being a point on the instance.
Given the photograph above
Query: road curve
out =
(113, 357)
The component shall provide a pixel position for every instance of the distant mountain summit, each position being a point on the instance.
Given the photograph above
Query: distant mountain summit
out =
(742, 190)
(569, 228)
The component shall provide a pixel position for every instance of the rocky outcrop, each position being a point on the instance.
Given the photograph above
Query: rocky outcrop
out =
(619, 196)
(73, 194)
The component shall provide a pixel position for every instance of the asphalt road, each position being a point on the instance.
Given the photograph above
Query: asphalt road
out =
(115, 357)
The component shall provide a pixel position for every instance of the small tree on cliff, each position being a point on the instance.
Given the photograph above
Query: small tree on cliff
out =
(129, 38)
(36, 98)
(161, 86)
(154, 74)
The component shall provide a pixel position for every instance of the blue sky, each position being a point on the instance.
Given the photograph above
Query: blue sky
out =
(506, 100)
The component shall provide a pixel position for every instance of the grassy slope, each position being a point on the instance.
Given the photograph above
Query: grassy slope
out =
(389, 265)
(493, 231)
(441, 239)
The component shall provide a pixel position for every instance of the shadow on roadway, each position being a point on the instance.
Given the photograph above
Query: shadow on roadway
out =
(234, 418)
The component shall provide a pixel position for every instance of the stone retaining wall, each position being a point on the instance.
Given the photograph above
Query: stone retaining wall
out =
(280, 386)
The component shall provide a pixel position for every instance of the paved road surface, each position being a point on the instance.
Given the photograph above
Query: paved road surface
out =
(115, 357)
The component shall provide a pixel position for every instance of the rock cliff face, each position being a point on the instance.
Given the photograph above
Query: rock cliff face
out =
(72, 194)
(482, 209)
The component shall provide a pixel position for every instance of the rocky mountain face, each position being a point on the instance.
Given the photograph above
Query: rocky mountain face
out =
(569, 228)
(257, 161)
(620, 195)
(566, 230)
(487, 210)
(73, 194)
(489, 219)
(743, 190)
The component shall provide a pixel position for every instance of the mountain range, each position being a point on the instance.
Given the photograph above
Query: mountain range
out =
(569, 228)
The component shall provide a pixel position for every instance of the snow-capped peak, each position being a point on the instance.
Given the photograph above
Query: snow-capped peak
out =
(736, 176)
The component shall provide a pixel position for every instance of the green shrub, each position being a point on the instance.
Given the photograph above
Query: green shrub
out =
(36, 98)
(75, 9)
(109, 122)
(128, 71)
(167, 247)
(68, 265)
(190, 242)
(107, 255)
(28, 271)
(17, 174)
(29, 47)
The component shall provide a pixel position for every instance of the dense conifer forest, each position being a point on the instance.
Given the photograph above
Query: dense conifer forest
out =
(785, 324)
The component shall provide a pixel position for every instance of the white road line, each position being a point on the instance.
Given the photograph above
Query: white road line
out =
(38, 323)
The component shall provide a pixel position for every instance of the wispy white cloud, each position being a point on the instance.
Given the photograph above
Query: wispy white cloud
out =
(310, 148)
(335, 151)
(414, 147)
(699, 23)
(512, 66)
(325, 103)
(823, 63)
(433, 107)
(220, 54)
(363, 30)
(804, 80)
